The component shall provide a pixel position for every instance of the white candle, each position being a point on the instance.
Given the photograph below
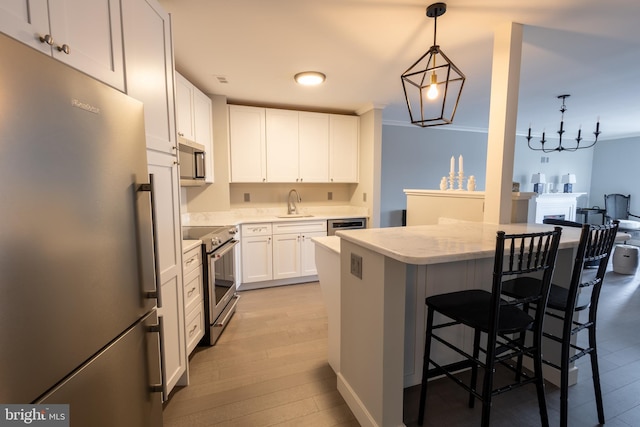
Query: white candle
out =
(460, 164)
(453, 165)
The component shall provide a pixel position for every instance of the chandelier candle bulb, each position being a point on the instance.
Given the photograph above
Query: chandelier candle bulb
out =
(460, 164)
(452, 168)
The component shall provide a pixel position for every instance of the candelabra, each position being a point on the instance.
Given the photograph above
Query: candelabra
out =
(560, 147)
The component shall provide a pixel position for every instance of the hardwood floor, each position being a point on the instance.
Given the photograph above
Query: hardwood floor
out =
(269, 368)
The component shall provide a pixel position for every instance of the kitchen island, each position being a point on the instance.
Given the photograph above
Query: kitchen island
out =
(385, 275)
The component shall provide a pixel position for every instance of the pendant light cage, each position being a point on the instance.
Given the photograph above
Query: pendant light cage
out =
(433, 84)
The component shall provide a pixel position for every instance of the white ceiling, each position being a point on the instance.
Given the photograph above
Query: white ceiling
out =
(587, 48)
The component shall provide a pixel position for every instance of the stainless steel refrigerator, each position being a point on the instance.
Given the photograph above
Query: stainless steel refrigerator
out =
(78, 323)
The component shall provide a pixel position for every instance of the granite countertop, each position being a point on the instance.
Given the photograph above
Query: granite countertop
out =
(187, 245)
(434, 244)
(255, 215)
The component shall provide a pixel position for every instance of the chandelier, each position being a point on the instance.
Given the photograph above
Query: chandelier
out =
(560, 147)
(433, 84)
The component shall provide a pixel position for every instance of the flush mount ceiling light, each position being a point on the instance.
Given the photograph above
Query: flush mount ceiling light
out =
(560, 147)
(310, 78)
(433, 84)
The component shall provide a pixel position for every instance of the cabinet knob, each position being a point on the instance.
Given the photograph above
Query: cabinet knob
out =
(180, 134)
(64, 49)
(47, 39)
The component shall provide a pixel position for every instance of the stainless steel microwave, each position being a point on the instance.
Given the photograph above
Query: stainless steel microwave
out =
(192, 164)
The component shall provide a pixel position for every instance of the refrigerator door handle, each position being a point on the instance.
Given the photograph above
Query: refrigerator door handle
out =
(157, 293)
(162, 387)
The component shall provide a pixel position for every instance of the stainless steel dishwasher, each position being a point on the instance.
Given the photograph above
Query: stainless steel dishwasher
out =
(334, 225)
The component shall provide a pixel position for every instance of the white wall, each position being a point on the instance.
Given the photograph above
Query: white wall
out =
(413, 157)
(615, 171)
(418, 158)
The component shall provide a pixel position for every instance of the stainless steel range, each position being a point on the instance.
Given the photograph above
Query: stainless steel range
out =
(218, 262)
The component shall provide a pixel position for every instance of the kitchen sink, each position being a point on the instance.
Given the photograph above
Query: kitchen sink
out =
(294, 216)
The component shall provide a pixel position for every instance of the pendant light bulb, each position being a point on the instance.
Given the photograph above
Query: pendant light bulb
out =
(432, 93)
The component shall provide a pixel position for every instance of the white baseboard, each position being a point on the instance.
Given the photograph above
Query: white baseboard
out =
(355, 404)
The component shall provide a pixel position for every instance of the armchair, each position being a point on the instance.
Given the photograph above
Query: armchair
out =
(616, 207)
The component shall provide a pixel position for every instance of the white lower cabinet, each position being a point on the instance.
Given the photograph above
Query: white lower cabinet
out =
(286, 255)
(193, 297)
(256, 252)
(308, 253)
(280, 252)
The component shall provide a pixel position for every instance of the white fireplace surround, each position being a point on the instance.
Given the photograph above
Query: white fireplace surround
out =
(554, 204)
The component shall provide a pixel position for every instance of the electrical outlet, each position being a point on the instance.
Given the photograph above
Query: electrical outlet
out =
(364, 197)
(330, 195)
(247, 197)
(356, 265)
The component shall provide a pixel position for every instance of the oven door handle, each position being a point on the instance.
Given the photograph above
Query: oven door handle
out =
(226, 248)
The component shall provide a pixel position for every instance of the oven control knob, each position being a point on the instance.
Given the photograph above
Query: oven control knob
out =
(215, 241)
(233, 230)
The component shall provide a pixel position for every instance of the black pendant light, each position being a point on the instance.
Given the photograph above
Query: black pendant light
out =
(433, 84)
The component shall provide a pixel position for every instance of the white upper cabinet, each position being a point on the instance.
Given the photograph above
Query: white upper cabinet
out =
(148, 55)
(272, 145)
(194, 119)
(85, 34)
(282, 145)
(313, 148)
(344, 139)
(247, 144)
(202, 117)
(184, 108)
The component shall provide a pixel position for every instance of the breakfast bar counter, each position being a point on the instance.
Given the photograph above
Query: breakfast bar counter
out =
(385, 275)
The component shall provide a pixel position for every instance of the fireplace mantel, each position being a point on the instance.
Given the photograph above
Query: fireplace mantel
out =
(560, 205)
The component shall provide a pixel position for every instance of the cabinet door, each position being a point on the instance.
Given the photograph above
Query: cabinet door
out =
(203, 129)
(92, 30)
(174, 347)
(308, 253)
(184, 108)
(247, 144)
(148, 57)
(343, 148)
(169, 257)
(26, 21)
(286, 255)
(282, 145)
(313, 147)
(257, 259)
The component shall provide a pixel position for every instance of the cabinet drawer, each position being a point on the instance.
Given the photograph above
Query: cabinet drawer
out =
(191, 260)
(299, 227)
(194, 327)
(261, 229)
(192, 288)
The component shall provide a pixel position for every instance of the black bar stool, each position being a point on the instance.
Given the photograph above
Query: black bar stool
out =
(489, 313)
(595, 247)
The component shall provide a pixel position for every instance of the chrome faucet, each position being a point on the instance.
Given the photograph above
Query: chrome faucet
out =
(292, 208)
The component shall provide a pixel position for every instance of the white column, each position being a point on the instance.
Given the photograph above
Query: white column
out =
(505, 82)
